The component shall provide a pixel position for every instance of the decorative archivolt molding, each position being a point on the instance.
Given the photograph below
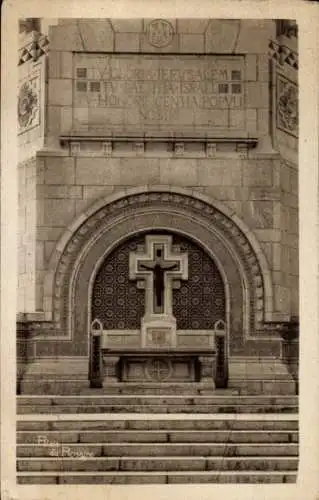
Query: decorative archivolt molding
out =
(241, 239)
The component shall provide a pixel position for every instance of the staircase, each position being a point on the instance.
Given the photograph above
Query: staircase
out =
(157, 437)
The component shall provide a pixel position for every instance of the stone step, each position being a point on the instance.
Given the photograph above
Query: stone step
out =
(160, 388)
(160, 408)
(229, 477)
(164, 463)
(54, 423)
(130, 436)
(158, 400)
(157, 450)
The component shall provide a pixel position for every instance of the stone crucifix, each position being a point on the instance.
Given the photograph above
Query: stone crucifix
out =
(159, 266)
(158, 270)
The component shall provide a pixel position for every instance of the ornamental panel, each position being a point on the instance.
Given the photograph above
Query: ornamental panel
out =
(29, 103)
(287, 106)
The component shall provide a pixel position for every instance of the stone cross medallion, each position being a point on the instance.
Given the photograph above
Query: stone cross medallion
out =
(158, 271)
(160, 33)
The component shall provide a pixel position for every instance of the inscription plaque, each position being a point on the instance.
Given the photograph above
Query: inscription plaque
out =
(157, 92)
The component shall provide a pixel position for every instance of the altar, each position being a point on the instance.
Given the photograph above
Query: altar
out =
(158, 351)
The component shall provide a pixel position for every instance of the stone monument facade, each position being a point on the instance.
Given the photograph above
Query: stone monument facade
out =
(158, 201)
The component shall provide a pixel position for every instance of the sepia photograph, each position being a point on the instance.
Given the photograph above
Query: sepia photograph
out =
(157, 332)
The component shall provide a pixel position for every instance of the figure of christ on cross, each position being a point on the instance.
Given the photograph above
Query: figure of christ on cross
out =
(159, 266)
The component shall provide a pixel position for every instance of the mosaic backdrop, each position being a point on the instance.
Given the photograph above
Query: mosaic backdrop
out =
(119, 304)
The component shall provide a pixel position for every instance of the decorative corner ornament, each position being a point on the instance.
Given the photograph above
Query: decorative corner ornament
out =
(28, 106)
(33, 50)
(160, 33)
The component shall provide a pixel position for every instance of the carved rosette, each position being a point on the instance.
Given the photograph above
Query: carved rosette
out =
(287, 106)
(29, 105)
(158, 369)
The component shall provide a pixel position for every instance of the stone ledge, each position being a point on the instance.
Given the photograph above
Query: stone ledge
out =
(176, 145)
